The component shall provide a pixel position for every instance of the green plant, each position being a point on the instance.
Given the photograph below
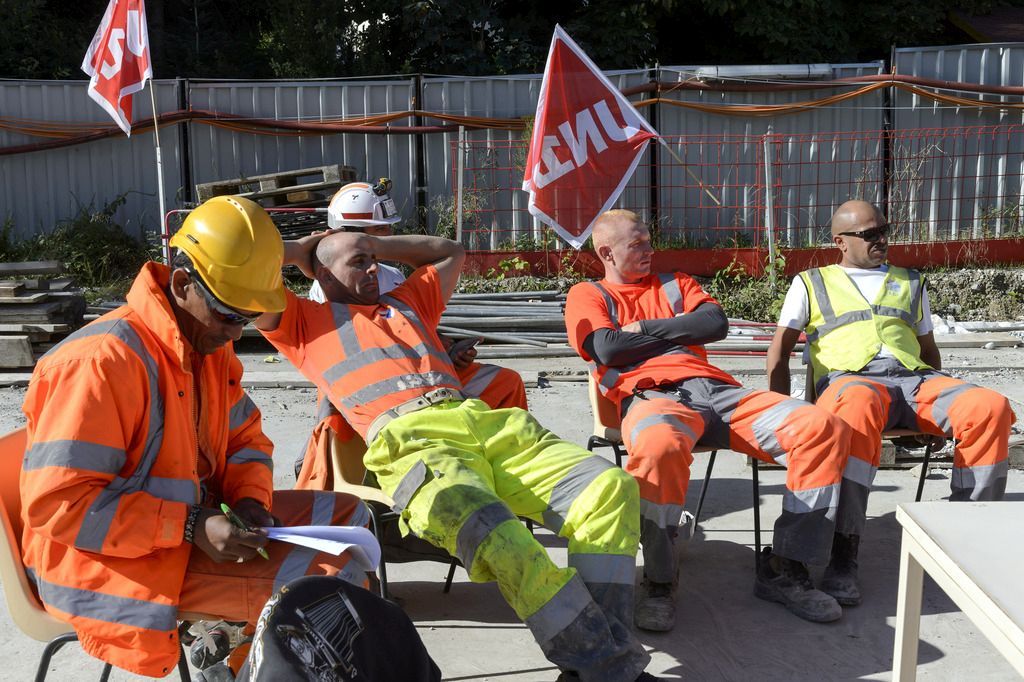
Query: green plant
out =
(746, 297)
(444, 209)
(507, 267)
(94, 249)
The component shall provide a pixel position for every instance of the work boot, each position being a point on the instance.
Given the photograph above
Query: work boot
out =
(840, 579)
(209, 647)
(655, 606)
(786, 581)
(213, 641)
(218, 672)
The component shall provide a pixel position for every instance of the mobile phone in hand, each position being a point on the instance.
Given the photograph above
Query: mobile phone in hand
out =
(462, 345)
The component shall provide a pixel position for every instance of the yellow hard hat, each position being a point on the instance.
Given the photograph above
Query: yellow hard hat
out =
(237, 250)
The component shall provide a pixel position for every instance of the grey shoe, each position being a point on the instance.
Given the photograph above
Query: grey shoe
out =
(655, 606)
(840, 579)
(790, 585)
(218, 672)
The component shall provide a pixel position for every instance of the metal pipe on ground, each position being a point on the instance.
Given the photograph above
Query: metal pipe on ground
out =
(541, 295)
(510, 323)
(503, 338)
(503, 302)
(480, 311)
(494, 352)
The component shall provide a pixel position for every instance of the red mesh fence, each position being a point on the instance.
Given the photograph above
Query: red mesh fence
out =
(707, 191)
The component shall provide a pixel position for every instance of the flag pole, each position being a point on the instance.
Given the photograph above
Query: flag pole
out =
(700, 182)
(164, 234)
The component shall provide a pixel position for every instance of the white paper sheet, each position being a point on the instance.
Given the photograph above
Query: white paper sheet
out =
(359, 541)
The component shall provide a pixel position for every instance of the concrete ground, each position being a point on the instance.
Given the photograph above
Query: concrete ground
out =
(723, 631)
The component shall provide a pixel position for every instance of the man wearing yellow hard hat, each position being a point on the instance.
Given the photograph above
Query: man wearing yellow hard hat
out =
(138, 430)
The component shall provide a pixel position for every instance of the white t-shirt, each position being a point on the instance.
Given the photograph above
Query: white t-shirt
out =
(388, 278)
(796, 313)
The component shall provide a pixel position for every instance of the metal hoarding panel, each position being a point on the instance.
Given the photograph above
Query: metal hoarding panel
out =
(219, 153)
(41, 188)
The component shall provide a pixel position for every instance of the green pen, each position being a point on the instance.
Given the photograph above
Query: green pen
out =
(239, 523)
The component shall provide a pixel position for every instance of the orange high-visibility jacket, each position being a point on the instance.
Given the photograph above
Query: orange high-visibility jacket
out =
(370, 358)
(111, 471)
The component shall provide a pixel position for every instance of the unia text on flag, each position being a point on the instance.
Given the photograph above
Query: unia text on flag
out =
(117, 62)
(587, 141)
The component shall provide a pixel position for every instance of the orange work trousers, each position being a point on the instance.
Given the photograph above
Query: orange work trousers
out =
(237, 592)
(661, 427)
(885, 395)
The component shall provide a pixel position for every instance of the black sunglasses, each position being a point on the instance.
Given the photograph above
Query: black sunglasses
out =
(872, 234)
(227, 314)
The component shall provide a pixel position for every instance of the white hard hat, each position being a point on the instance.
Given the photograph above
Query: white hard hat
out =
(359, 204)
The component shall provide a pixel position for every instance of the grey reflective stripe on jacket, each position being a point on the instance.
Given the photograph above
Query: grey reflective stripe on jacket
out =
(75, 454)
(832, 322)
(396, 384)
(609, 302)
(246, 455)
(370, 356)
(357, 358)
(107, 608)
(240, 412)
(346, 332)
(670, 287)
(96, 524)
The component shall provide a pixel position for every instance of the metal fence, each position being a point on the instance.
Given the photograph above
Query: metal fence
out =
(750, 190)
(726, 153)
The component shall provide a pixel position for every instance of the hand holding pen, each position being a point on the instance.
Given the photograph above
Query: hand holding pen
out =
(242, 525)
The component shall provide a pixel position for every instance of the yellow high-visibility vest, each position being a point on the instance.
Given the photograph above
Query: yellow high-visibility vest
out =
(845, 331)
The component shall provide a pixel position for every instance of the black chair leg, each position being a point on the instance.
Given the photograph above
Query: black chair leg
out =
(619, 454)
(382, 570)
(924, 471)
(704, 487)
(183, 672)
(105, 675)
(52, 647)
(757, 514)
(451, 576)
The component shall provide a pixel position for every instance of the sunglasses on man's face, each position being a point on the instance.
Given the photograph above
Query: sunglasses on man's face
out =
(872, 234)
(224, 313)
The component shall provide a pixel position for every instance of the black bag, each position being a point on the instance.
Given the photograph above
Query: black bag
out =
(324, 629)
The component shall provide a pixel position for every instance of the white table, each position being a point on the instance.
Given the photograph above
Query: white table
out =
(975, 552)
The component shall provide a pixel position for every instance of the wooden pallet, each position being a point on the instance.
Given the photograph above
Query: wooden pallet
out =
(288, 189)
(35, 313)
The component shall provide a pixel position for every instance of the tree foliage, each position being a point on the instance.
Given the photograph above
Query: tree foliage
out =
(329, 38)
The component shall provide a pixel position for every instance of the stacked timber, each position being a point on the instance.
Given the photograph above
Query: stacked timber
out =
(37, 308)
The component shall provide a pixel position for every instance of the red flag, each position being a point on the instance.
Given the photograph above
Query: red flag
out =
(587, 141)
(118, 60)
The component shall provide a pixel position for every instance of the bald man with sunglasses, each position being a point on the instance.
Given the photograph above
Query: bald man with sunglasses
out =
(876, 365)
